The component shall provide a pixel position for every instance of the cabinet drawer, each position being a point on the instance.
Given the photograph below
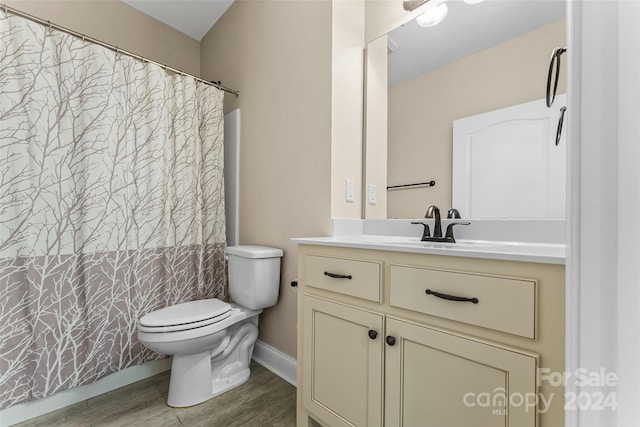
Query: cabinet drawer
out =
(362, 277)
(501, 303)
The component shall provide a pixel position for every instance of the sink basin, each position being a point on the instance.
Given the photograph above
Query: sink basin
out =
(416, 242)
(461, 244)
(549, 253)
(473, 243)
(389, 239)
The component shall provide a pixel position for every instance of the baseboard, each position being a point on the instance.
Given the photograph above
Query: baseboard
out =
(25, 411)
(276, 361)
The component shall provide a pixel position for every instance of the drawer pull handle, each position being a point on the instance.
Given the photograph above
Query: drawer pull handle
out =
(337, 276)
(451, 297)
(373, 334)
(391, 340)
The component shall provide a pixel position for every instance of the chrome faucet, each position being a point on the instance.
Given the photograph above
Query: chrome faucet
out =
(434, 212)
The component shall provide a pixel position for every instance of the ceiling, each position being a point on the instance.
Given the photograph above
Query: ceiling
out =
(192, 17)
(467, 29)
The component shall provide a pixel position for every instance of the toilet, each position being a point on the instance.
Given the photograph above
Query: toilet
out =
(212, 341)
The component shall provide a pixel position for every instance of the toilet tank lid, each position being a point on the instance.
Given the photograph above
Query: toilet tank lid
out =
(253, 251)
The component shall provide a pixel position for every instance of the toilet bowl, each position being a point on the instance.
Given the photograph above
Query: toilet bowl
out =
(212, 341)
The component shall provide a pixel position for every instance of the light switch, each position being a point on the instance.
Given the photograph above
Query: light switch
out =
(372, 194)
(351, 189)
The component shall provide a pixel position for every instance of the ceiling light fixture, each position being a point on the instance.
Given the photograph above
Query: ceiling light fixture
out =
(473, 1)
(433, 16)
(410, 5)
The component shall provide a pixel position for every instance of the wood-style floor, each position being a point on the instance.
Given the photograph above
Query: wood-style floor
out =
(264, 400)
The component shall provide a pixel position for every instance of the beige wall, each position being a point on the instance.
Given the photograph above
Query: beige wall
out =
(375, 147)
(116, 23)
(278, 55)
(421, 112)
(347, 61)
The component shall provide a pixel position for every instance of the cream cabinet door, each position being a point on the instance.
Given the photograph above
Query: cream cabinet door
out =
(343, 372)
(439, 379)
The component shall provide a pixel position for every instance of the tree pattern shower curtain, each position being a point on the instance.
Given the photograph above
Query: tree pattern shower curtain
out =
(111, 205)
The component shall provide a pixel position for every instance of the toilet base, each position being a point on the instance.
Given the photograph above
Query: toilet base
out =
(223, 385)
(196, 378)
(184, 387)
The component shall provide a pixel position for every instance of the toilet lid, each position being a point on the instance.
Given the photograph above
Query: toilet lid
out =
(187, 315)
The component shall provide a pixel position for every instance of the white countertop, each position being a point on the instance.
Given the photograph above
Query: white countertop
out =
(545, 253)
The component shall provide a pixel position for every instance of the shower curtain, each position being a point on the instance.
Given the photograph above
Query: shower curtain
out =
(111, 205)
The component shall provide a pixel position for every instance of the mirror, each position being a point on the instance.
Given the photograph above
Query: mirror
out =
(480, 59)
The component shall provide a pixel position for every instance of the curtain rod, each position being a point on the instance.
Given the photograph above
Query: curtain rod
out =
(410, 186)
(116, 49)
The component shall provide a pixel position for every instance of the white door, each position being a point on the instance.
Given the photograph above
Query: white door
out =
(503, 155)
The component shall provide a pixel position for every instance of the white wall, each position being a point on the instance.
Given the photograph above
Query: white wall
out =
(603, 293)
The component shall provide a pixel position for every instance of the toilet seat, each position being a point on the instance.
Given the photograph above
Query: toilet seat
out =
(185, 316)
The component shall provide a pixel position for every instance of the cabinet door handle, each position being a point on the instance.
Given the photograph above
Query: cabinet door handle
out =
(391, 340)
(451, 297)
(373, 334)
(337, 276)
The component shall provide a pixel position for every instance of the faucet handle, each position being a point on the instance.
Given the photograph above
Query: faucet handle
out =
(449, 233)
(426, 232)
(453, 213)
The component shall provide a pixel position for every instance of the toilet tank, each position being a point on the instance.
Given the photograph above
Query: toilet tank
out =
(254, 275)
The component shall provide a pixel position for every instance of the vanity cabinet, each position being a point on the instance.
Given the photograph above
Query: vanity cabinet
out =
(344, 369)
(376, 349)
(434, 378)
